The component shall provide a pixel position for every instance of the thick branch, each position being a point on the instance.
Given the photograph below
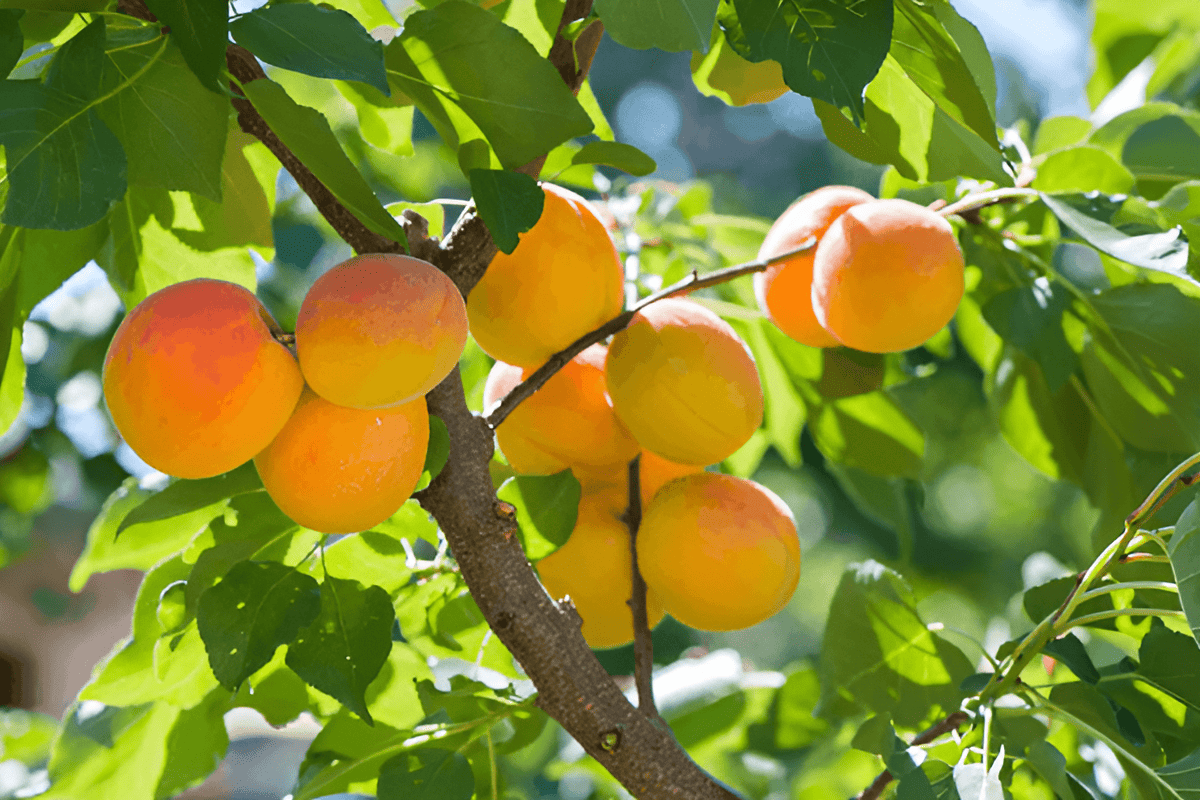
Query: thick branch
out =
(950, 723)
(538, 379)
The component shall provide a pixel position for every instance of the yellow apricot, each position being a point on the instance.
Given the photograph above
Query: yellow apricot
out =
(720, 552)
(563, 279)
(887, 275)
(683, 383)
(569, 422)
(654, 472)
(195, 381)
(379, 330)
(335, 469)
(723, 73)
(595, 569)
(784, 289)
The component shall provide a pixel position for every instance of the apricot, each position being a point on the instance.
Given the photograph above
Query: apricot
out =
(378, 330)
(569, 422)
(654, 472)
(887, 275)
(683, 383)
(195, 381)
(335, 469)
(595, 569)
(723, 73)
(720, 552)
(784, 289)
(563, 279)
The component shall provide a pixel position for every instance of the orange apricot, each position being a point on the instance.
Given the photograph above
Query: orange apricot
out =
(335, 469)
(195, 381)
(563, 279)
(379, 330)
(720, 552)
(887, 275)
(595, 569)
(683, 383)
(569, 422)
(654, 472)
(784, 289)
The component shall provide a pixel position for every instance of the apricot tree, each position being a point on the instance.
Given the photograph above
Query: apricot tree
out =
(341, 539)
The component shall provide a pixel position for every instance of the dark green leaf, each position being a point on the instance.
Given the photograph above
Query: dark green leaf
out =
(77, 68)
(623, 156)
(1044, 599)
(1085, 707)
(437, 452)
(201, 29)
(829, 51)
(1070, 651)
(347, 751)
(973, 684)
(870, 432)
(1165, 149)
(1164, 252)
(878, 655)
(307, 133)
(1185, 561)
(323, 42)
(445, 60)
(1183, 776)
(1050, 764)
(1030, 317)
(195, 746)
(876, 735)
(184, 497)
(671, 25)
(509, 204)
(426, 773)
(546, 510)
(256, 607)
(914, 783)
(12, 43)
(173, 129)
(344, 648)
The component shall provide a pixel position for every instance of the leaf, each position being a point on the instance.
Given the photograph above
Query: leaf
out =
(445, 60)
(438, 451)
(12, 43)
(829, 50)
(1070, 651)
(1183, 776)
(1164, 149)
(184, 497)
(323, 42)
(201, 29)
(256, 607)
(624, 157)
(426, 773)
(343, 649)
(1083, 168)
(1051, 765)
(1184, 551)
(195, 746)
(1044, 599)
(509, 203)
(546, 510)
(172, 128)
(671, 25)
(1164, 252)
(1055, 133)
(878, 655)
(122, 761)
(1031, 318)
(307, 133)
(870, 432)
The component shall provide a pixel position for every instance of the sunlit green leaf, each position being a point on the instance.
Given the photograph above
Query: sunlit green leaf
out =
(671, 25)
(427, 773)
(184, 497)
(546, 508)
(1185, 561)
(623, 156)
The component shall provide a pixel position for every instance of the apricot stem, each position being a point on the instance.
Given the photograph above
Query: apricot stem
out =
(643, 644)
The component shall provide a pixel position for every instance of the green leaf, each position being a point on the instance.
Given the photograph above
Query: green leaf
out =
(829, 50)
(243, 217)
(1082, 705)
(1070, 651)
(201, 29)
(445, 60)
(878, 655)
(623, 156)
(509, 203)
(671, 25)
(173, 129)
(195, 746)
(1055, 133)
(426, 773)
(12, 43)
(343, 649)
(1044, 599)
(1051, 765)
(1030, 318)
(784, 411)
(347, 752)
(1083, 168)
(256, 607)
(1164, 252)
(436, 453)
(25, 484)
(1165, 149)
(124, 757)
(184, 497)
(26, 735)
(1183, 776)
(323, 42)
(546, 510)
(307, 133)
(870, 432)
(1184, 551)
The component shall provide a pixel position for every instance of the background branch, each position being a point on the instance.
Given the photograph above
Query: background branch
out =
(950, 723)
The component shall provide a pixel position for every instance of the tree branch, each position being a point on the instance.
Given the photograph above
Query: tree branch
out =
(950, 723)
(538, 378)
(643, 643)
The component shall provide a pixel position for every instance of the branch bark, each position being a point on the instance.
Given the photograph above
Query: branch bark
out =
(950, 723)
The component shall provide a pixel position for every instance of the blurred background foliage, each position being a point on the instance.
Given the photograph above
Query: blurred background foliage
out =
(972, 526)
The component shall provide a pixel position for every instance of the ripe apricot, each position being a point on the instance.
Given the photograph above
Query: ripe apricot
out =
(195, 381)
(784, 289)
(563, 279)
(379, 330)
(569, 422)
(721, 552)
(595, 569)
(339, 470)
(683, 383)
(887, 275)
(654, 472)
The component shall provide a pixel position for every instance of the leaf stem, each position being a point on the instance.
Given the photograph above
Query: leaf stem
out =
(1088, 619)
(973, 202)
(1108, 588)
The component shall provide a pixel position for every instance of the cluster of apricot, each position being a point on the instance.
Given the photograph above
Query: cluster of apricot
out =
(884, 276)
(677, 389)
(198, 381)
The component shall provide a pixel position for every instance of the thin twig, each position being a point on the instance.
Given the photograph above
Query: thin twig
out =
(950, 723)
(643, 643)
(537, 380)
